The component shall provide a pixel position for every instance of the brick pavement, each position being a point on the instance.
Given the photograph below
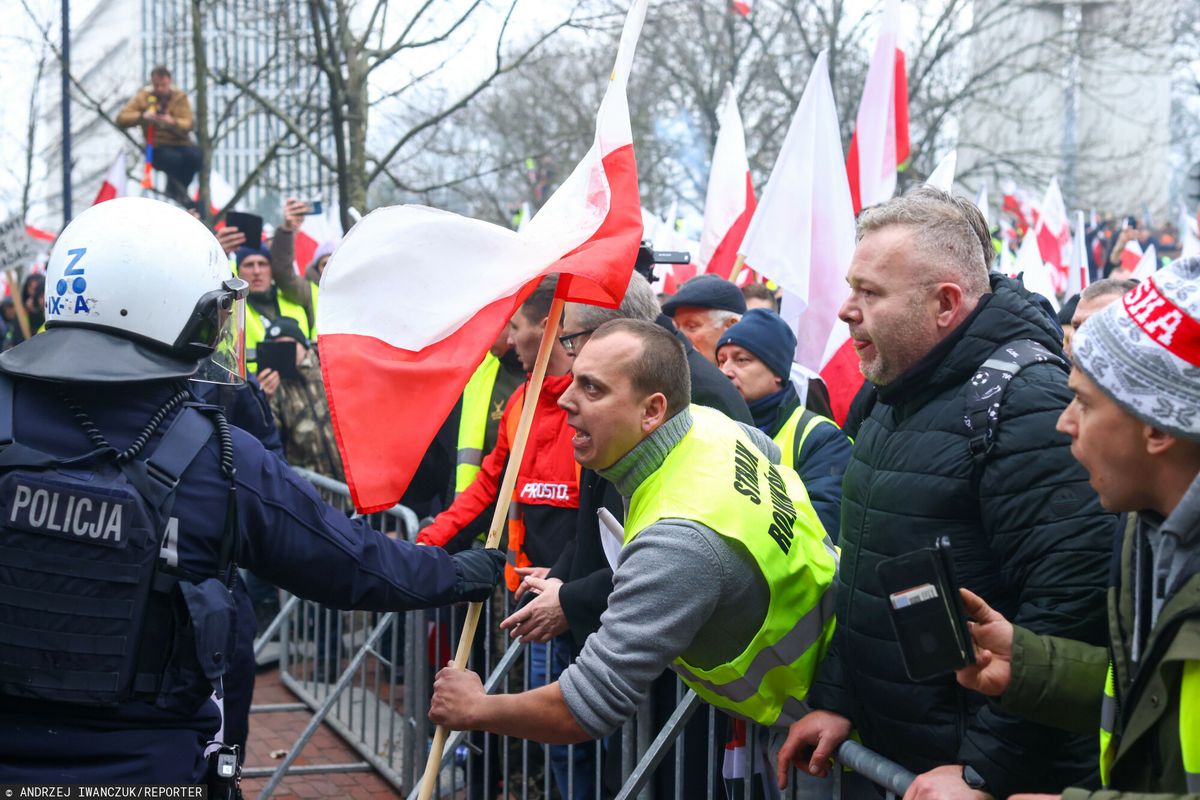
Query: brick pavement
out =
(278, 730)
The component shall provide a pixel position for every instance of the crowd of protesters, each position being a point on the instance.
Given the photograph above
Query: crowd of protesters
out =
(1059, 452)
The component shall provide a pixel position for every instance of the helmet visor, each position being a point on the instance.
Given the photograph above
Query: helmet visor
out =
(227, 363)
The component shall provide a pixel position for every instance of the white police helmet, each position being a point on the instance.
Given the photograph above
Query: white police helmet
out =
(136, 289)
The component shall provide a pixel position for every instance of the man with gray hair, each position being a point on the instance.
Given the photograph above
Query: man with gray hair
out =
(961, 442)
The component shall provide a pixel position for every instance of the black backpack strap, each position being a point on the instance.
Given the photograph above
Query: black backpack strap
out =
(986, 390)
(157, 475)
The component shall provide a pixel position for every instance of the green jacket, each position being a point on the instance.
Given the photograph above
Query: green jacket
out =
(1060, 682)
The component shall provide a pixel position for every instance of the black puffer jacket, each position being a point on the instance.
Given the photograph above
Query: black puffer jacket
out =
(1028, 534)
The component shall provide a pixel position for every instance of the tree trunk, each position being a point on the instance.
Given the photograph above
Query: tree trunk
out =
(200, 60)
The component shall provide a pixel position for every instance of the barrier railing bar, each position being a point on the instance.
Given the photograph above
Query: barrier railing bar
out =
(498, 674)
(321, 713)
(658, 748)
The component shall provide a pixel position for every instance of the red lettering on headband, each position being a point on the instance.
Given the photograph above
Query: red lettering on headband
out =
(1163, 321)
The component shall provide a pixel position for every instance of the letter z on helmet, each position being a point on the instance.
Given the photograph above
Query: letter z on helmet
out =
(136, 290)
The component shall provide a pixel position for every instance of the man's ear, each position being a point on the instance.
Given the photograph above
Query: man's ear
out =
(949, 298)
(730, 322)
(1158, 441)
(654, 412)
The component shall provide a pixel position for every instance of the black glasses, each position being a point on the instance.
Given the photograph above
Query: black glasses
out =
(572, 342)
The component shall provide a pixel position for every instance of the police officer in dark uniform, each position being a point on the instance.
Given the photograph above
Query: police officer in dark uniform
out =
(125, 508)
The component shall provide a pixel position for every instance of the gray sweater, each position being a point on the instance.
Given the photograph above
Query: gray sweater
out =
(680, 588)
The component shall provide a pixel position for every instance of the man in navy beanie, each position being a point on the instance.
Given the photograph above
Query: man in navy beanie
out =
(756, 355)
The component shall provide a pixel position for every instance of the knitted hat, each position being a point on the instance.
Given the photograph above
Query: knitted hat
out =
(324, 250)
(766, 335)
(1144, 350)
(247, 250)
(707, 291)
(286, 327)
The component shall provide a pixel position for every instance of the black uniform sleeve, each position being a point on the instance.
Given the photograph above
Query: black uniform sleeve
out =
(293, 539)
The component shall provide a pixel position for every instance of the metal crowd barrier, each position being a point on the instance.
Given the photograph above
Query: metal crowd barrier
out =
(369, 676)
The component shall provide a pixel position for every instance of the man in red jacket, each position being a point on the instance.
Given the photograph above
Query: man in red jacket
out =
(541, 519)
(542, 516)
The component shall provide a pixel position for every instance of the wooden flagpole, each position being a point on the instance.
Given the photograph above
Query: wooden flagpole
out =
(736, 272)
(499, 519)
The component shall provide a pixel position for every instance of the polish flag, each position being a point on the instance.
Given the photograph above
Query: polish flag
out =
(1053, 232)
(1146, 266)
(414, 296)
(114, 181)
(729, 203)
(1077, 276)
(1016, 202)
(220, 192)
(1131, 256)
(802, 238)
(880, 142)
(942, 176)
(316, 230)
(1036, 272)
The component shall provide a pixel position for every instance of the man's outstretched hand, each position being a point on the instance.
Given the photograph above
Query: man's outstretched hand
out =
(993, 637)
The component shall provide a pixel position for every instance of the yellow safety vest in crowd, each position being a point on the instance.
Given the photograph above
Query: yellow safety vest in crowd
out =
(472, 424)
(801, 420)
(256, 331)
(717, 477)
(1189, 731)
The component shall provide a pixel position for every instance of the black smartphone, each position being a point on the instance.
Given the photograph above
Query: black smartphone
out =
(279, 356)
(249, 224)
(927, 611)
(314, 207)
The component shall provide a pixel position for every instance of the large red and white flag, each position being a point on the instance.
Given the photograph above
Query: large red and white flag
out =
(880, 142)
(729, 202)
(414, 296)
(1053, 231)
(802, 238)
(114, 181)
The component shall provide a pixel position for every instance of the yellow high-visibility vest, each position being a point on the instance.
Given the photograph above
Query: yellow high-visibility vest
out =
(717, 477)
(472, 424)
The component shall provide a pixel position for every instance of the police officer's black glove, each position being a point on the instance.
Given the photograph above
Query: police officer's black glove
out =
(478, 573)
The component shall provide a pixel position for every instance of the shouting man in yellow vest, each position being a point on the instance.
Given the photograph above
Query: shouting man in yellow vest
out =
(724, 575)
(1135, 425)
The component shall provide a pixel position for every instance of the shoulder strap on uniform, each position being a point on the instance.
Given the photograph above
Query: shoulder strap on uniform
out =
(157, 475)
(986, 391)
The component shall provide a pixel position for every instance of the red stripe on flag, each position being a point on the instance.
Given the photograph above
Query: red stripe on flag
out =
(599, 269)
(843, 378)
(852, 174)
(901, 86)
(408, 394)
(107, 192)
(306, 247)
(724, 257)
